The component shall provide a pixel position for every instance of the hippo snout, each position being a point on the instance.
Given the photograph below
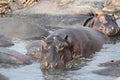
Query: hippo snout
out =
(111, 31)
(52, 65)
(107, 24)
(47, 65)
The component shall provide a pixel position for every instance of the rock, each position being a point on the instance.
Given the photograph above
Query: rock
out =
(111, 6)
(5, 8)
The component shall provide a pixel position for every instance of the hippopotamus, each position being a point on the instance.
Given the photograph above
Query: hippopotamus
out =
(5, 42)
(102, 22)
(110, 71)
(34, 49)
(111, 68)
(65, 17)
(8, 56)
(2, 77)
(18, 28)
(111, 63)
(63, 45)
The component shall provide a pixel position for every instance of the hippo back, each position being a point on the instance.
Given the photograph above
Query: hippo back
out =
(5, 42)
(85, 37)
(18, 28)
(63, 45)
(8, 56)
(2, 77)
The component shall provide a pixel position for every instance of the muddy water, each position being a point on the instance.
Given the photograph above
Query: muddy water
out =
(33, 72)
(82, 72)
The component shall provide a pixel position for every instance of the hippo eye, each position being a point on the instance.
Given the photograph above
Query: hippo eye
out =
(61, 47)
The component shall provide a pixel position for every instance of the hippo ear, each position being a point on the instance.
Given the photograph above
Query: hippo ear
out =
(96, 15)
(115, 16)
(66, 37)
(43, 38)
(98, 12)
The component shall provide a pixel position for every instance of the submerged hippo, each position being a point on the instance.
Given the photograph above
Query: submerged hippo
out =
(18, 28)
(52, 15)
(5, 42)
(111, 63)
(102, 22)
(112, 68)
(98, 21)
(63, 45)
(2, 77)
(12, 57)
(111, 71)
(34, 49)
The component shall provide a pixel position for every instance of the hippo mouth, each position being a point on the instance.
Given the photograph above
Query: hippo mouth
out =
(47, 66)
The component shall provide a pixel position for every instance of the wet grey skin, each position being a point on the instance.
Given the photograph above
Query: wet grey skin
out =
(21, 29)
(5, 41)
(34, 49)
(63, 45)
(2, 77)
(12, 57)
(106, 24)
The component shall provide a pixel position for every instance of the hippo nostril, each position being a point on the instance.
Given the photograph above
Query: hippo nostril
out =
(46, 64)
(32, 54)
(51, 65)
(55, 65)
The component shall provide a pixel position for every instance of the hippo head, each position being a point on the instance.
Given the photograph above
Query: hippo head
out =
(111, 63)
(55, 52)
(106, 24)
